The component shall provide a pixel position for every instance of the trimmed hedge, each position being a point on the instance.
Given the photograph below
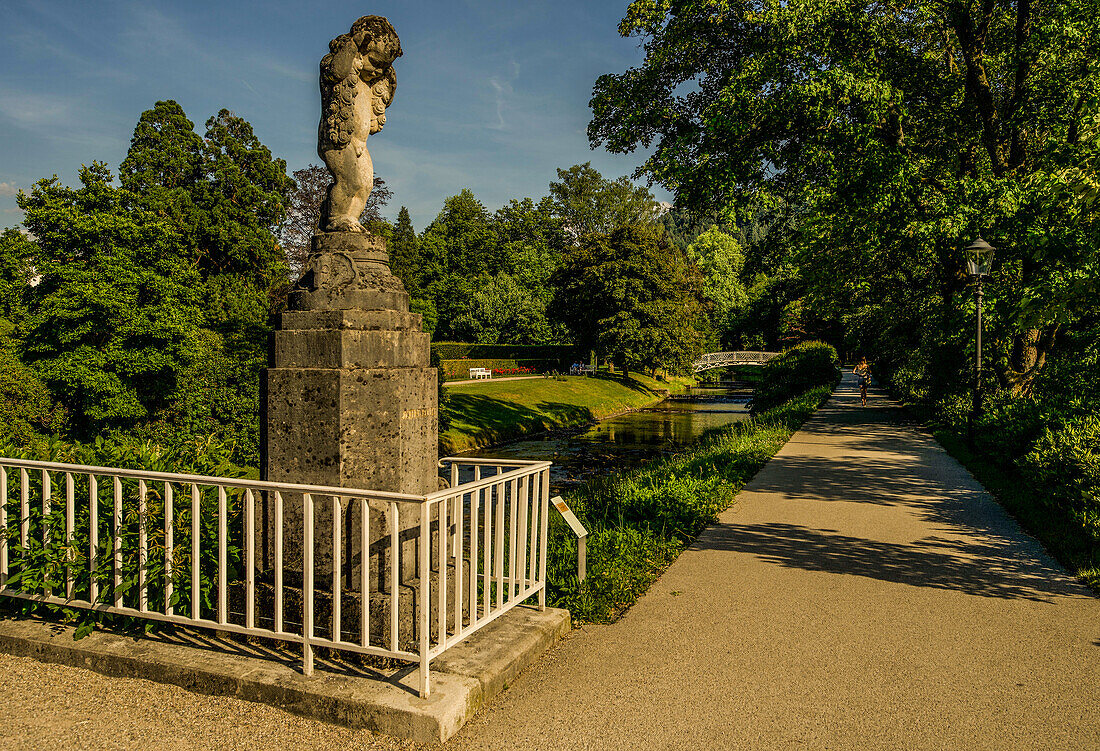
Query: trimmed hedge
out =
(459, 370)
(799, 369)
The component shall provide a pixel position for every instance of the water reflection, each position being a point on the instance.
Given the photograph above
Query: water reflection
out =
(630, 439)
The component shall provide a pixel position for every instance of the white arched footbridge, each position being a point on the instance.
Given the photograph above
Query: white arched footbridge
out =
(728, 359)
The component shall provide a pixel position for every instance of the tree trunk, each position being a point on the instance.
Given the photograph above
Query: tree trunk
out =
(1028, 355)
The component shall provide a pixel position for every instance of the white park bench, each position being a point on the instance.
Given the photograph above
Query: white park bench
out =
(582, 370)
(476, 373)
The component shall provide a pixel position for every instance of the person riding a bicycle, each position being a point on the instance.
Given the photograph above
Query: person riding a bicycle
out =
(863, 372)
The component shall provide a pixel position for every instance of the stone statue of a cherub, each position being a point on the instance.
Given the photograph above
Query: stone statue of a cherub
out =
(357, 84)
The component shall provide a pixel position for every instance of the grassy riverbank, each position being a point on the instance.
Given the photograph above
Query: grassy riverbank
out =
(488, 412)
(640, 520)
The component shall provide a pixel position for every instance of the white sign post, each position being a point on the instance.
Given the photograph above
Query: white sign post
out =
(579, 530)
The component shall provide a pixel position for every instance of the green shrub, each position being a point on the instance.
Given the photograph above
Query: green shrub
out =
(952, 410)
(459, 370)
(1065, 467)
(26, 409)
(1008, 427)
(797, 370)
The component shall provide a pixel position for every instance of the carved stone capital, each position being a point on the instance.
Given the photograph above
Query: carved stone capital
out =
(348, 271)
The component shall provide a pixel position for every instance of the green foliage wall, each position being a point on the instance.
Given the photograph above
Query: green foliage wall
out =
(632, 297)
(151, 303)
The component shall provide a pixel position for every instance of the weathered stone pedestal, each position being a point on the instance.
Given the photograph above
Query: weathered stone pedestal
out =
(350, 401)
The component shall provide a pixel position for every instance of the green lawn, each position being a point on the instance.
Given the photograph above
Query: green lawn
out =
(487, 412)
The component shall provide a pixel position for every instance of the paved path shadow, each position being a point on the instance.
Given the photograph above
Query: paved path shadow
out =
(864, 592)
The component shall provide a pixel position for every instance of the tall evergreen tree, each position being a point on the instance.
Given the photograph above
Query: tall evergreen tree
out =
(404, 251)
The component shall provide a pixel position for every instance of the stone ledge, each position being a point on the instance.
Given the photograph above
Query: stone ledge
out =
(463, 678)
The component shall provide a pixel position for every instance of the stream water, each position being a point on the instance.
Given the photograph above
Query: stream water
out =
(629, 439)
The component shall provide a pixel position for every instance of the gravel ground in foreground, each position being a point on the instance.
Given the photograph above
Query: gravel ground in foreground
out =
(59, 707)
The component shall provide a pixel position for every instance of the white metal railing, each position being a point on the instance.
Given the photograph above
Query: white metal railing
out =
(726, 359)
(183, 549)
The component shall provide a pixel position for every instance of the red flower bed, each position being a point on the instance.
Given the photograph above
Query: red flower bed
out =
(512, 371)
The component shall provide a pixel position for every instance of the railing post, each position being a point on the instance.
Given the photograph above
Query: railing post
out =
(169, 548)
(545, 512)
(307, 576)
(337, 565)
(196, 551)
(116, 542)
(93, 538)
(278, 561)
(223, 562)
(70, 524)
(143, 546)
(250, 559)
(425, 598)
(46, 496)
(4, 528)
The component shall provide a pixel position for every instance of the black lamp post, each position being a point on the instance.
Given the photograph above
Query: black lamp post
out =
(979, 259)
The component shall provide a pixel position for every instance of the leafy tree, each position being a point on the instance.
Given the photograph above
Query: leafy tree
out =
(720, 260)
(462, 237)
(115, 314)
(531, 237)
(504, 311)
(901, 131)
(632, 297)
(17, 252)
(590, 204)
(224, 192)
(165, 154)
(26, 406)
(246, 195)
(224, 196)
(304, 212)
(459, 248)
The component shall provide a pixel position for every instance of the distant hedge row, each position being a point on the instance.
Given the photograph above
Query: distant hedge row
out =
(467, 351)
(457, 370)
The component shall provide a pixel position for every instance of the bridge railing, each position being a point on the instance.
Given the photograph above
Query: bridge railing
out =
(727, 359)
(184, 549)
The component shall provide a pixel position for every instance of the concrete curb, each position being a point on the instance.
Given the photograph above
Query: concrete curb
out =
(463, 679)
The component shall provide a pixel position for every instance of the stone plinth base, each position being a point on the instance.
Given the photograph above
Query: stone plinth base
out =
(350, 401)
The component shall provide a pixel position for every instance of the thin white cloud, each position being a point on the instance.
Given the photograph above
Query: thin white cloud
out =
(502, 90)
(31, 110)
(282, 70)
(7, 190)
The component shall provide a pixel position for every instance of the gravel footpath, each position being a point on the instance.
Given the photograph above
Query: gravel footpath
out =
(58, 707)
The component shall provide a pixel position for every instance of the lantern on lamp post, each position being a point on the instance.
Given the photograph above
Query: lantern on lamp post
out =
(979, 260)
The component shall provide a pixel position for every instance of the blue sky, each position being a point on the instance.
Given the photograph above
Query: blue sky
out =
(492, 94)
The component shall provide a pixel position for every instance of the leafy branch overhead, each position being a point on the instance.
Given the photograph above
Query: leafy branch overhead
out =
(898, 132)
